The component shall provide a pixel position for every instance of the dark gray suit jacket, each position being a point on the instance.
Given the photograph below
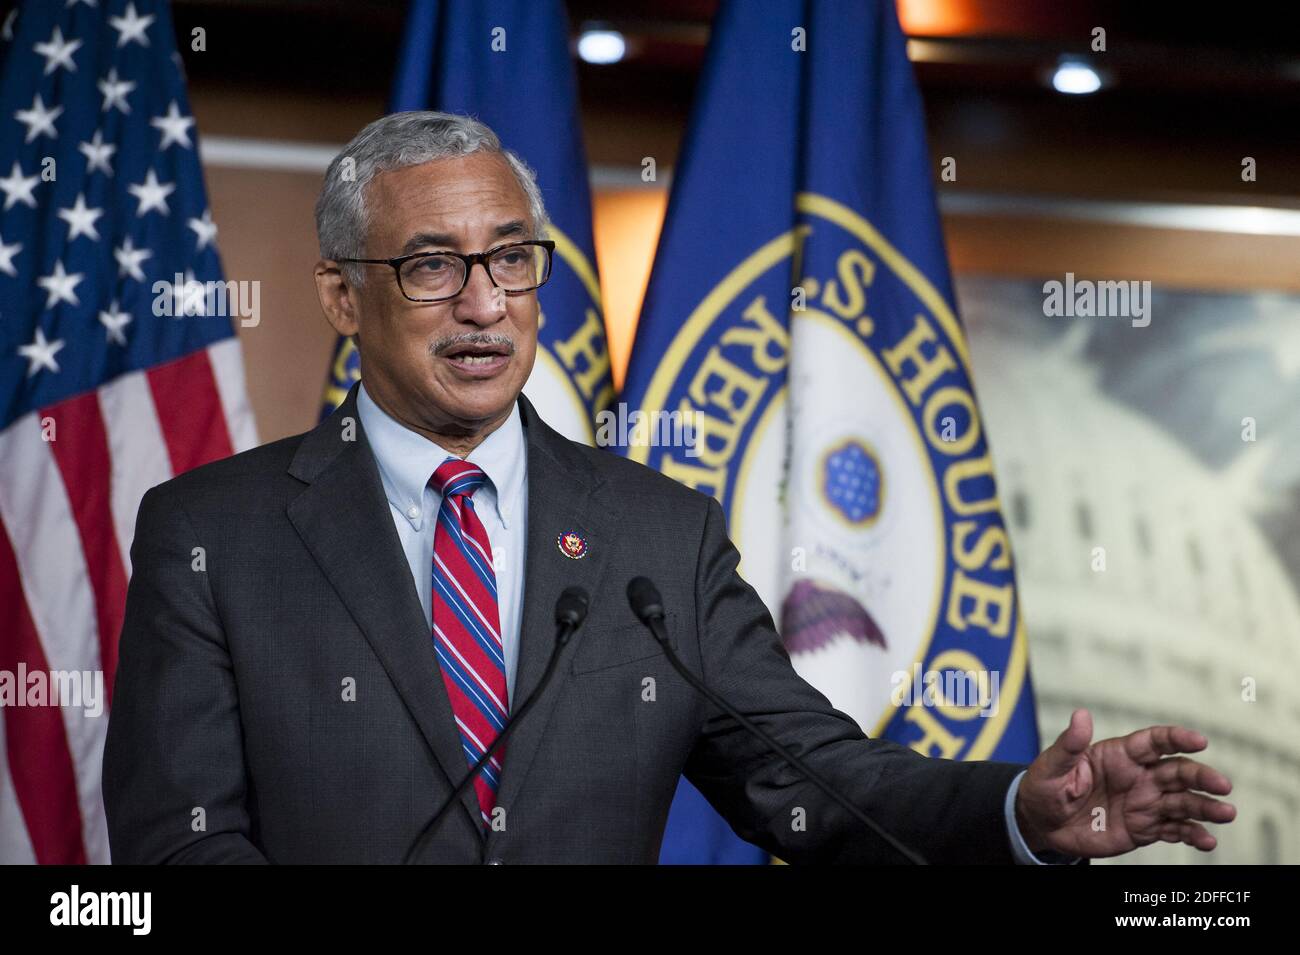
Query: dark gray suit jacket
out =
(230, 739)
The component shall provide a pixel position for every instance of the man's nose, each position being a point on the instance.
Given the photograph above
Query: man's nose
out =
(480, 301)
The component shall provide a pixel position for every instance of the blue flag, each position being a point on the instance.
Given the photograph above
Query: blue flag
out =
(800, 316)
(508, 64)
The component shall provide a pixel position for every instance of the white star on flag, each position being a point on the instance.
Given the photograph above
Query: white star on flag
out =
(58, 53)
(18, 188)
(174, 126)
(7, 253)
(115, 91)
(61, 286)
(98, 153)
(114, 320)
(131, 27)
(80, 220)
(204, 228)
(129, 259)
(152, 194)
(39, 120)
(41, 353)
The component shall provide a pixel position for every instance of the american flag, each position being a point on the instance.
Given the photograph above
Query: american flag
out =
(101, 397)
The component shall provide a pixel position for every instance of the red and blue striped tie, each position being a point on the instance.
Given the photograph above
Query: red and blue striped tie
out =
(466, 623)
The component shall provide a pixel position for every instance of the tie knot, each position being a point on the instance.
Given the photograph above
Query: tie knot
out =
(455, 476)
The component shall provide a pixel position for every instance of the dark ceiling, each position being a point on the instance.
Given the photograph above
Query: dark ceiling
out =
(1218, 81)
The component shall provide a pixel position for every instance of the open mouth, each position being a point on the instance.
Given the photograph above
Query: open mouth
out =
(477, 357)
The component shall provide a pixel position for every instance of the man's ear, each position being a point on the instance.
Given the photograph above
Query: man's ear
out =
(337, 297)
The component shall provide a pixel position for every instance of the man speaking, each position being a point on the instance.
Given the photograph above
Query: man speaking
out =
(325, 635)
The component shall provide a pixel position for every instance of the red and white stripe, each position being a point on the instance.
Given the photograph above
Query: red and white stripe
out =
(67, 517)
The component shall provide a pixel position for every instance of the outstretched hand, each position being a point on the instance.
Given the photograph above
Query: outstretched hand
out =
(1107, 798)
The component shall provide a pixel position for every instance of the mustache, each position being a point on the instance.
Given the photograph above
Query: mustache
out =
(442, 345)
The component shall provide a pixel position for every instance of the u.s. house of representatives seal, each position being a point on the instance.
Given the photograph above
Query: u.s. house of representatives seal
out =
(838, 429)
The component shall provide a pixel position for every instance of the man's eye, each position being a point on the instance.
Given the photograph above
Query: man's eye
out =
(433, 265)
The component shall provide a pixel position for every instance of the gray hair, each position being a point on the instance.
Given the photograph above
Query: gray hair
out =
(395, 142)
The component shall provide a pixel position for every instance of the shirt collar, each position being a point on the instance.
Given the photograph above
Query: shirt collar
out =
(407, 460)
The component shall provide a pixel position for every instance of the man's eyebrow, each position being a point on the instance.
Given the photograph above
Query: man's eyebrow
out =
(424, 240)
(442, 240)
(512, 228)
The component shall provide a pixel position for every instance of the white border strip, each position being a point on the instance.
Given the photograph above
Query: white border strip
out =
(241, 153)
(232, 152)
(1193, 216)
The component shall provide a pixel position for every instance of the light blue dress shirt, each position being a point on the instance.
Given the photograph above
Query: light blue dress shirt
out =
(406, 462)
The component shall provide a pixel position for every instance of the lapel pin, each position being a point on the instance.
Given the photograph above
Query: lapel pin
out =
(572, 545)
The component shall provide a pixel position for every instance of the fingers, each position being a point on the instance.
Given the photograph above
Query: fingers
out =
(1148, 745)
(1183, 806)
(1192, 833)
(1070, 745)
(1180, 773)
(1079, 731)
(1179, 810)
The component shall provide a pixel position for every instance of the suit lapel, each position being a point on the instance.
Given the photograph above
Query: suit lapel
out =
(342, 518)
(561, 483)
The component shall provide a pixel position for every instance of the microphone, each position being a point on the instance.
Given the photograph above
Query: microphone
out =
(648, 606)
(570, 611)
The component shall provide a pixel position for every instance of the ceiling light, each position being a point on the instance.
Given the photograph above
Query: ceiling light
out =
(601, 46)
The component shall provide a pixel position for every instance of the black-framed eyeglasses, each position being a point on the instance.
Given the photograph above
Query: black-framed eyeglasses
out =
(514, 268)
